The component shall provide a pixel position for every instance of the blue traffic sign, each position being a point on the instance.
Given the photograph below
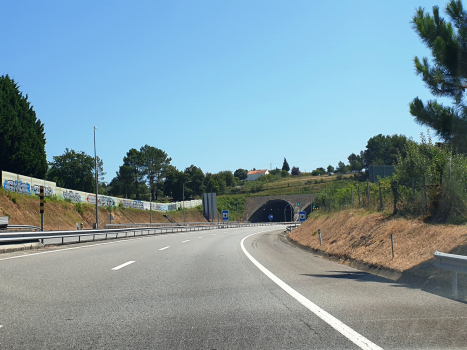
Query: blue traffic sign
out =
(302, 215)
(270, 217)
(225, 215)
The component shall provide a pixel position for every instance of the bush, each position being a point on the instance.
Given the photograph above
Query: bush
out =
(79, 208)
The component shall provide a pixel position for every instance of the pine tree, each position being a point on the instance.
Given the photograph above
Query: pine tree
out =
(22, 137)
(446, 76)
(285, 166)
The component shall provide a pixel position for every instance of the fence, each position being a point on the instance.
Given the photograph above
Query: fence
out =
(31, 186)
(418, 198)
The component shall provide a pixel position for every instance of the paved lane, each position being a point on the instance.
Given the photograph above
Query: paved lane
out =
(198, 290)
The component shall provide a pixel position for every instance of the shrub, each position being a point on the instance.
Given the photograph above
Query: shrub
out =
(79, 208)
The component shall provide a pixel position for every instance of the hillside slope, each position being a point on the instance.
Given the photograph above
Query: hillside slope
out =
(365, 238)
(61, 215)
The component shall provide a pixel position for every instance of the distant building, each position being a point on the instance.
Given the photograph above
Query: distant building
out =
(254, 174)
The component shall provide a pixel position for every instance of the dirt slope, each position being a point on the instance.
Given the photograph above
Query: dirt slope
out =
(24, 210)
(365, 238)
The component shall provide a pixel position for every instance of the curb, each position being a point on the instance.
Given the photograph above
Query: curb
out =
(380, 271)
(10, 248)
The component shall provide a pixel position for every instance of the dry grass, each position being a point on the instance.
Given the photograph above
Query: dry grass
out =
(365, 237)
(24, 210)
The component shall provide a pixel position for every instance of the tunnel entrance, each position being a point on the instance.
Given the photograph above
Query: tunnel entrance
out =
(279, 209)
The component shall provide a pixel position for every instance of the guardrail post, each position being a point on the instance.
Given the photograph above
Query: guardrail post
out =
(319, 234)
(454, 285)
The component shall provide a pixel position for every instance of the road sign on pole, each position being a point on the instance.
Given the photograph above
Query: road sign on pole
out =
(270, 217)
(225, 215)
(302, 215)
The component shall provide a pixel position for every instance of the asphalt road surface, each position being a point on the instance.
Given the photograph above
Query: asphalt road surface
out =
(244, 288)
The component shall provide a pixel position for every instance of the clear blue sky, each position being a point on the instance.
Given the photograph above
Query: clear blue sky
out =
(218, 84)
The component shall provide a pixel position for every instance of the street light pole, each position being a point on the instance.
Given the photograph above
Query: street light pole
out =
(237, 206)
(183, 203)
(97, 189)
(150, 206)
(184, 200)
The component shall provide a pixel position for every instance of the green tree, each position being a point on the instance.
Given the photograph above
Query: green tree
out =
(22, 137)
(318, 171)
(285, 166)
(130, 179)
(383, 150)
(356, 161)
(241, 174)
(211, 184)
(275, 172)
(196, 177)
(122, 184)
(330, 169)
(446, 76)
(154, 162)
(134, 161)
(74, 170)
(295, 171)
(342, 168)
(173, 184)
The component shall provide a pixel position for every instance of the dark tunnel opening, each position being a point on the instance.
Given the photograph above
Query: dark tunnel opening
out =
(279, 209)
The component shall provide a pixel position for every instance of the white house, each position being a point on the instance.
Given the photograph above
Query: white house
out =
(254, 174)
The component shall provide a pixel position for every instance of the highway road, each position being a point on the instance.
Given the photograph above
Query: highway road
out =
(244, 288)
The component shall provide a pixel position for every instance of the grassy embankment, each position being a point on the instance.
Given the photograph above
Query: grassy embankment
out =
(63, 215)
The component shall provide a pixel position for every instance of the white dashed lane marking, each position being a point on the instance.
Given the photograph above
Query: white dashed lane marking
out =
(186, 241)
(122, 265)
(165, 248)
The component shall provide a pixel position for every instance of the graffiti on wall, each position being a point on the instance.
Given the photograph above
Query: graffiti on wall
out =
(73, 196)
(138, 205)
(17, 186)
(48, 191)
(78, 197)
(126, 203)
(106, 201)
(103, 200)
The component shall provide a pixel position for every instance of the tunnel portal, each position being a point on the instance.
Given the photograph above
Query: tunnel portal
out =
(281, 211)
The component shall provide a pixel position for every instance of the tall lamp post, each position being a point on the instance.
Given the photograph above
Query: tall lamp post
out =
(97, 190)
(150, 205)
(184, 200)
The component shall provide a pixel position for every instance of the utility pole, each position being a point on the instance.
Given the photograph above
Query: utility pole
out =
(97, 190)
(237, 206)
(184, 200)
(150, 206)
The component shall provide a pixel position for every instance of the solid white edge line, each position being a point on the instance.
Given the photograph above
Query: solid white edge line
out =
(339, 326)
(165, 248)
(122, 265)
(73, 248)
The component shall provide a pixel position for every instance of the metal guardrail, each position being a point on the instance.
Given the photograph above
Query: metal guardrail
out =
(22, 227)
(4, 221)
(10, 237)
(454, 263)
(159, 224)
(292, 227)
